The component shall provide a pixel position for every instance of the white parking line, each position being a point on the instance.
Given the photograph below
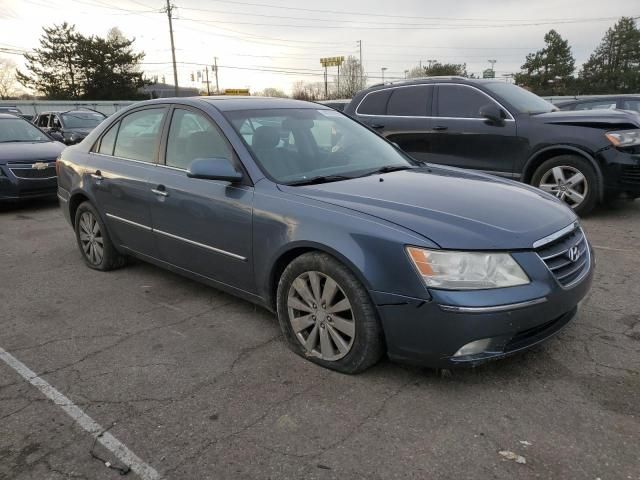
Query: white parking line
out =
(111, 443)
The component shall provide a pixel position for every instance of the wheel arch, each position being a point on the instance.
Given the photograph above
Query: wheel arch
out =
(556, 150)
(74, 202)
(293, 251)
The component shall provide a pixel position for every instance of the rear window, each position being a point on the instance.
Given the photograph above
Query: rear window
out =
(410, 101)
(374, 103)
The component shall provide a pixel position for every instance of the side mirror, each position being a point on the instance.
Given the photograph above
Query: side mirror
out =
(213, 169)
(493, 113)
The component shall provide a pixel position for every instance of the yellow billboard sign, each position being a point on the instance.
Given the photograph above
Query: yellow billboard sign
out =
(332, 61)
(236, 91)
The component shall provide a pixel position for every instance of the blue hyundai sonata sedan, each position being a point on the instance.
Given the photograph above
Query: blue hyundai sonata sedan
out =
(359, 249)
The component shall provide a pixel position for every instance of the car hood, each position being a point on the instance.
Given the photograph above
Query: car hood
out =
(453, 208)
(29, 152)
(607, 118)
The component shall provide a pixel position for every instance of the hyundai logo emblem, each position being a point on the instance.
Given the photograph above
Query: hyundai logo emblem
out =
(574, 253)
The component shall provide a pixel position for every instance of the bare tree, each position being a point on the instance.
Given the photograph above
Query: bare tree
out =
(8, 82)
(308, 91)
(272, 92)
(351, 79)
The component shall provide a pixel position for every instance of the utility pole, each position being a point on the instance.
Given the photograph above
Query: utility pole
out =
(215, 68)
(361, 67)
(169, 10)
(383, 69)
(206, 70)
(326, 89)
(338, 88)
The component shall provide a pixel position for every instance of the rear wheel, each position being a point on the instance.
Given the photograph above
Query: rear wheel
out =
(326, 315)
(571, 179)
(93, 240)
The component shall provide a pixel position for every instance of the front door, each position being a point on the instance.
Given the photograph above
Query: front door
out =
(203, 226)
(120, 165)
(462, 138)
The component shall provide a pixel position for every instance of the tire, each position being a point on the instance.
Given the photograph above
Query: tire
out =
(546, 178)
(358, 328)
(93, 240)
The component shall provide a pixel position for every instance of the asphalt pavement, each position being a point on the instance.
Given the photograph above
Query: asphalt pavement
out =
(199, 385)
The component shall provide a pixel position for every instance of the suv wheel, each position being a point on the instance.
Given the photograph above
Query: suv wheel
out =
(326, 314)
(571, 179)
(93, 240)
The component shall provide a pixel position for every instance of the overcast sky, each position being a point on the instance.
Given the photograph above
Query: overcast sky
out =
(252, 37)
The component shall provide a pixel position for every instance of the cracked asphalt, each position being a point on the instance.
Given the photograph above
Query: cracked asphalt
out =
(200, 384)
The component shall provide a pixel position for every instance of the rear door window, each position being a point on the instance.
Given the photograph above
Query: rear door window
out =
(374, 103)
(109, 140)
(139, 134)
(410, 101)
(43, 121)
(460, 101)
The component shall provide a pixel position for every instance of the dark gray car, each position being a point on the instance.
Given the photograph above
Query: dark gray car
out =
(358, 248)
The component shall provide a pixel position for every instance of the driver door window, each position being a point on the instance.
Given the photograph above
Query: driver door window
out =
(193, 136)
(43, 121)
(55, 122)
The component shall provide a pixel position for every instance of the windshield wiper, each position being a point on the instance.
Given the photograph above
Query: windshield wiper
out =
(319, 179)
(388, 169)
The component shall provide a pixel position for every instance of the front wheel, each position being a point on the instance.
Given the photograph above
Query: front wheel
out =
(571, 179)
(326, 314)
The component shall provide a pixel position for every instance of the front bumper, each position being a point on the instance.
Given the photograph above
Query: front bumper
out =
(430, 332)
(621, 171)
(14, 184)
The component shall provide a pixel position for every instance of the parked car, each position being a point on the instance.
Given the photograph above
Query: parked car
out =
(357, 247)
(10, 109)
(621, 102)
(70, 126)
(581, 157)
(27, 160)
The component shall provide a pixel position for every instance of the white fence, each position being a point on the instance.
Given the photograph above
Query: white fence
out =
(33, 107)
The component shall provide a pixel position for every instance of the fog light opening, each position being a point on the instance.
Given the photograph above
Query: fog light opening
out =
(473, 348)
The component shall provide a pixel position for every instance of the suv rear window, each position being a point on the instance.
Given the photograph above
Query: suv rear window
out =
(410, 101)
(374, 103)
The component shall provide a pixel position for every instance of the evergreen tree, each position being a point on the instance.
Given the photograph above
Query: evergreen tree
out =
(614, 67)
(68, 65)
(54, 66)
(549, 71)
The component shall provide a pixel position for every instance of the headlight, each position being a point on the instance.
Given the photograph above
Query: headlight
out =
(624, 138)
(466, 270)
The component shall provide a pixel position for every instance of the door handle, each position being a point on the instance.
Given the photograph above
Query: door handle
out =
(97, 175)
(376, 126)
(160, 191)
(440, 128)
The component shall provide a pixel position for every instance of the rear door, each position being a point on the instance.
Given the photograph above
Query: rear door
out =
(462, 138)
(203, 226)
(120, 165)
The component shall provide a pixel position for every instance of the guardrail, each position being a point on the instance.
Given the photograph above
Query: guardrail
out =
(33, 107)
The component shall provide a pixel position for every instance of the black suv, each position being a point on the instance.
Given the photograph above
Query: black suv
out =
(582, 157)
(71, 126)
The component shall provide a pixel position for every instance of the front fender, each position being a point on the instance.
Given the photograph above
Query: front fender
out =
(373, 249)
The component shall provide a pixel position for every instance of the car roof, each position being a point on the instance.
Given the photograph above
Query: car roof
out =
(229, 103)
(10, 115)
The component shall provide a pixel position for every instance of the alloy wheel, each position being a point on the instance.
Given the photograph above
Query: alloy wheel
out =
(91, 238)
(567, 183)
(321, 316)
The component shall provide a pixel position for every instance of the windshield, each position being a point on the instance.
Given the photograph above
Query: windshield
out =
(81, 119)
(19, 130)
(294, 145)
(523, 100)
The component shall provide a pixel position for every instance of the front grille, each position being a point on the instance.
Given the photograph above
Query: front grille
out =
(27, 171)
(630, 174)
(557, 256)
